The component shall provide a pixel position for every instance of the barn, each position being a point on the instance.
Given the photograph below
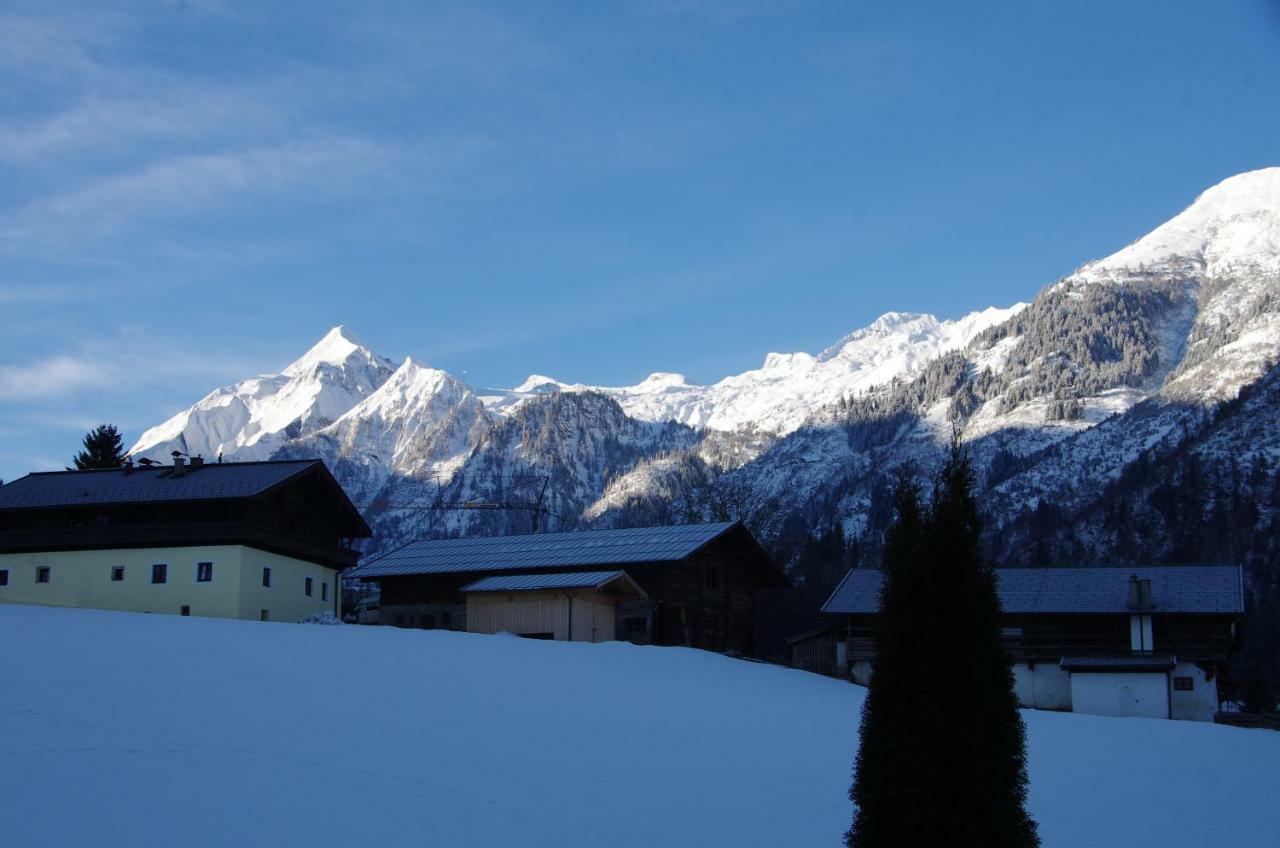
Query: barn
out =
(698, 585)
(1148, 641)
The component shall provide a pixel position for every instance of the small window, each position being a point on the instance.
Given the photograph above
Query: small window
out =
(186, 610)
(117, 573)
(307, 586)
(446, 619)
(159, 573)
(1183, 684)
(428, 622)
(712, 577)
(324, 591)
(44, 573)
(266, 579)
(265, 616)
(204, 572)
(4, 577)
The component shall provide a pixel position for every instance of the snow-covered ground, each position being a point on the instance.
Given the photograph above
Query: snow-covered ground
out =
(128, 729)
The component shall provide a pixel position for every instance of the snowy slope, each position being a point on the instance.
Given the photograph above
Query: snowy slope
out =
(253, 418)
(421, 422)
(146, 730)
(1233, 226)
(789, 387)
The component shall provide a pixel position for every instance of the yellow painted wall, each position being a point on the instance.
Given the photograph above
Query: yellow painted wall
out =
(83, 579)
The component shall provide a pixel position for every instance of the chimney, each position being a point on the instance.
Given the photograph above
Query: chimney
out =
(197, 461)
(128, 465)
(1139, 593)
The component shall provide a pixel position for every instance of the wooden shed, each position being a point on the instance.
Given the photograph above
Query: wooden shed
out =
(576, 607)
(703, 583)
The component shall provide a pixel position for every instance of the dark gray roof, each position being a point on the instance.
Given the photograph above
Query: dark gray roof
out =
(1099, 589)
(544, 550)
(534, 582)
(1131, 662)
(212, 481)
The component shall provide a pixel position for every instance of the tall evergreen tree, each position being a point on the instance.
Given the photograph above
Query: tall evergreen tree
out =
(103, 448)
(942, 759)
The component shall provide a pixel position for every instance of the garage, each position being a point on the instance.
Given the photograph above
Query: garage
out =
(1132, 686)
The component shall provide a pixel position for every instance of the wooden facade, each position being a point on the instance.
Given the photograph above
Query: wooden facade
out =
(709, 599)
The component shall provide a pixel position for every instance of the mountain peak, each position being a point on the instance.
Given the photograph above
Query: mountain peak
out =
(1234, 223)
(335, 348)
(538, 383)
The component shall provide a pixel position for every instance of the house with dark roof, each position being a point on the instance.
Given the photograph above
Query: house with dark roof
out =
(1128, 641)
(697, 585)
(256, 540)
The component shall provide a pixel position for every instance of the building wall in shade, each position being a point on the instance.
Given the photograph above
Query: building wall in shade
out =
(83, 579)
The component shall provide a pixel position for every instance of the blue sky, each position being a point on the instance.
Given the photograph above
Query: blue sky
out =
(193, 192)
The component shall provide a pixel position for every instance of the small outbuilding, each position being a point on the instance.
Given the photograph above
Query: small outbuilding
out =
(581, 607)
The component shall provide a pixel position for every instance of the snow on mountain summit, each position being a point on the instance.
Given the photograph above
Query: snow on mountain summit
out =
(1233, 224)
(255, 417)
(784, 392)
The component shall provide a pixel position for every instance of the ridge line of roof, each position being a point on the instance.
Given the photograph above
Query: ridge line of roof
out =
(160, 467)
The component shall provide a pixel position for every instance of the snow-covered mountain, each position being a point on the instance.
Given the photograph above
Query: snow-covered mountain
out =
(1115, 364)
(255, 417)
(421, 424)
(784, 392)
(1120, 363)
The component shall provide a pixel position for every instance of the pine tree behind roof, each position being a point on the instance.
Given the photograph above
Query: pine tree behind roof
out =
(103, 448)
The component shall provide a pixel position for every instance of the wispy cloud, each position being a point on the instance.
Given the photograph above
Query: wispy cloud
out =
(191, 184)
(55, 376)
(101, 124)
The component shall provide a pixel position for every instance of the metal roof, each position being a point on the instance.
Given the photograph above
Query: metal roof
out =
(1098, 589)
(534, 582)
(1132, 662)
(544, 550)
(211, 481)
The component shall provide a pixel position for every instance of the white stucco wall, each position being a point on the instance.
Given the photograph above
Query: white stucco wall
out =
(1144, 694)
(1045, 686)
(83, 579)
(286, 599)
(1201, 702)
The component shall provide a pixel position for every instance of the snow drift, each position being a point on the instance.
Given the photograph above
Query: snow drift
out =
(144, 730)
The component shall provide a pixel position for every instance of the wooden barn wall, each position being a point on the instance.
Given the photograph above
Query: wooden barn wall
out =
(709, 601)
(526, 613)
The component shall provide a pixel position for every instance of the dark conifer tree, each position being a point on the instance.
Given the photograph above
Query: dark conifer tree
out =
(102, 449)
(942, 759)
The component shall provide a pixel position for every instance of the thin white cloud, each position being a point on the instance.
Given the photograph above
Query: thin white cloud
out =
(192, 184)
(101, 124)
(52, 377)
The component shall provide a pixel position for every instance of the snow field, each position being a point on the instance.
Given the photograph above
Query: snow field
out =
(130, 729)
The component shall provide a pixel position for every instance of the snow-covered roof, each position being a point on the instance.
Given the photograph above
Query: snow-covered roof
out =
(211, 481)
(535, 582)
(545, 550)
(1098, 589)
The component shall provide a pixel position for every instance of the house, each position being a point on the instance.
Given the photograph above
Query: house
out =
(697, 585)
(1120, 641)
(254, 540)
